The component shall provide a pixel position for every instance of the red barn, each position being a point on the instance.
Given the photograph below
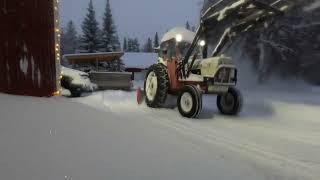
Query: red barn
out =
(29, 47)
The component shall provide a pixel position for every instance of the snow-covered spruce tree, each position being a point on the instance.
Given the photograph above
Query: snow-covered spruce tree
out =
(136, 45)
(188, 25)
(288, 48)
(156, 40)
(117, 44)
(133, 45)
(148, 46)
(69, 39)
(130, 45)
(110, 39)
(90, 29)
(193, 29)
(125, 45)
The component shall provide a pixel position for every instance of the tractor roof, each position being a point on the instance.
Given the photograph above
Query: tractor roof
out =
(187, 35)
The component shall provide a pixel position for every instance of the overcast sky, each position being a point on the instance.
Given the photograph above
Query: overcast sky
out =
(137, 18)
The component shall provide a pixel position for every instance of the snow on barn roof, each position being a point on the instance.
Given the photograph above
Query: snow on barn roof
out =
(139, 60)
(187, 35)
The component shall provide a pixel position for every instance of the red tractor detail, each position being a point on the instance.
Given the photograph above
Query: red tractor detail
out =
(185, 69)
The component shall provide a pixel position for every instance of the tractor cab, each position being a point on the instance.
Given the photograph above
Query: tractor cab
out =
(174, 47)
(176, 43)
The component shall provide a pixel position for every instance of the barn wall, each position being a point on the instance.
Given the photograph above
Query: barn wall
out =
(28, 62)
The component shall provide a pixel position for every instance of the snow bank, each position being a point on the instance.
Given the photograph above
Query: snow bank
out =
(78, 77)
(312, 6)
(139, 60)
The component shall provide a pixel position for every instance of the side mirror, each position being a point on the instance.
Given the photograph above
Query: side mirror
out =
(156, 49)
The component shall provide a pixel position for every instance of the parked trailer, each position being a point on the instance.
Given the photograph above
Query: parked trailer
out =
(29, 47)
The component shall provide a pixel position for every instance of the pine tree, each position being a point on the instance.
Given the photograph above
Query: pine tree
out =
(148, 46)
(110, 39)
(130, 45)
(136, 45)
(116, 43)
(125, 45)
(69, 39)
(188, 25)
(193, 29)
(119, 65)
(156, 40)
(90, 28)
(133, 45)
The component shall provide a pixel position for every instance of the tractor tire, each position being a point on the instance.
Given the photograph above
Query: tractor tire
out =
(231, 102)
(156, 86)
(190, 102)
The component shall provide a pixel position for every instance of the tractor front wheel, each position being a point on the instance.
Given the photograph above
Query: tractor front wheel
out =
(190, 102)
(230, 103)
(156, 86)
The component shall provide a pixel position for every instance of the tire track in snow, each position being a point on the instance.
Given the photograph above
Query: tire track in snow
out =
(240, 146)
(213, 136)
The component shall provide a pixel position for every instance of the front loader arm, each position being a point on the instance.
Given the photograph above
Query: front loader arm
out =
(243, 15)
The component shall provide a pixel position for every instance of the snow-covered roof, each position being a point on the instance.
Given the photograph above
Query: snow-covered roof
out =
(139, 60)
(94, 54)
(187, 35)
(89, 57)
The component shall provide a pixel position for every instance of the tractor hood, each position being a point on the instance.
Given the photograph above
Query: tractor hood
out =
(209, 67)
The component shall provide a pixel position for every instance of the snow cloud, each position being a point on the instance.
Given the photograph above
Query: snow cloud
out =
(312, 6)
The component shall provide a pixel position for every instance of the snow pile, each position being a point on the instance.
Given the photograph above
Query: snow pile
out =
(139, 60)
(78, 77)
(187, 35)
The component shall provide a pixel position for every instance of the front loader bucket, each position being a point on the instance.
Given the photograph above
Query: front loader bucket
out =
(245, 13)
(227, 19)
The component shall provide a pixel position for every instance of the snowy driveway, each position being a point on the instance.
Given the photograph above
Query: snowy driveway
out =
(276, 137)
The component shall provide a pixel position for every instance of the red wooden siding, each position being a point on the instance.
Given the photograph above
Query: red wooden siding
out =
(27, 47)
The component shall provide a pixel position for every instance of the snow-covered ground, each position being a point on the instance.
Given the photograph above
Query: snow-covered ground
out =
(107, 136)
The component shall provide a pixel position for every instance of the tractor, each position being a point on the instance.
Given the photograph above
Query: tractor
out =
(187, 70)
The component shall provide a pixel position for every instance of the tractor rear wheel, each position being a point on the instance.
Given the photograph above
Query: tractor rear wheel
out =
(156, 85)
(231, 102)
(190, 102)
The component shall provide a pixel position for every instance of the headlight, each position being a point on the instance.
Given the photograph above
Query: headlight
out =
(202, 43)
(178, 37)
